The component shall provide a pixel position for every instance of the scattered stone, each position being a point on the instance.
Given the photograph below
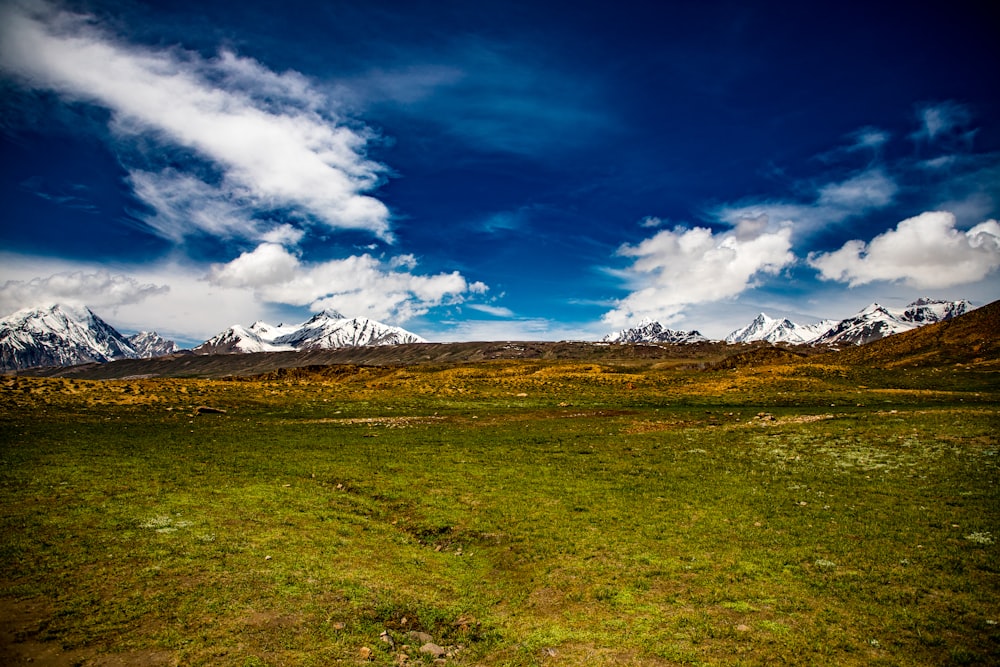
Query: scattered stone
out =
(365, 653)
(402, 659)
(742, 627)
(430, 648)
(421, 637)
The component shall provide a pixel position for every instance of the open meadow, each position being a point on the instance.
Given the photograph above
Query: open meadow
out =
(511, 512)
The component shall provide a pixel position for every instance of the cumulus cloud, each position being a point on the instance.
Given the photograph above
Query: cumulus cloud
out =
(926, 251)
(680, 267)
(360, 285)
(97, 289)
(271, 140)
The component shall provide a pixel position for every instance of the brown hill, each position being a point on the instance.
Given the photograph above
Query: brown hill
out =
(244, 365)
(973, 338)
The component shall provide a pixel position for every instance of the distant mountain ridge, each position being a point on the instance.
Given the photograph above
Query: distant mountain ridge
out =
(872, 323)
(768, 329)
(876, 322)
(326, 330)
(148, 344)
(62, 335)
(648, 331)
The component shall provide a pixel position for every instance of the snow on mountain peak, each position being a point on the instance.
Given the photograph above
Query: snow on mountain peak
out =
(650, 331)
(59, 335)
(327, 329)
(772, 330)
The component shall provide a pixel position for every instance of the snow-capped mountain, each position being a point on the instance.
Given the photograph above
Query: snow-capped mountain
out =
(779, 331)
(59, 335)
(876, 321)
(63, 335)
(870, 324)
(331, 329)
(151, 344)
(239, 339)
(928, 311)
(326, 330)
(648, 331)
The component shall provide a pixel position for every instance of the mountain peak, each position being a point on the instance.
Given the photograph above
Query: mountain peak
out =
(650, 331)
(328, 314)
(773, 330)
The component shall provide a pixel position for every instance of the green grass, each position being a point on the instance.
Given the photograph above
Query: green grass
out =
(519, 513)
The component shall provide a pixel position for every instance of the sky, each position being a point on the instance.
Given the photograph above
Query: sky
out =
(496, 170)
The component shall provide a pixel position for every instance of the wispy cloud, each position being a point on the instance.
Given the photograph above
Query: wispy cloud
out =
(831, 203)
(924, 251)
(359, 285)
(496, 311)
(496, 97)
(945, 121)
(271, 139)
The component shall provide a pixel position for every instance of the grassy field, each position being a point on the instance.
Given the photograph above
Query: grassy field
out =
(516, 513)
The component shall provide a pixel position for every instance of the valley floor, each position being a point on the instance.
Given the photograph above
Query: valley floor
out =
(503, 513)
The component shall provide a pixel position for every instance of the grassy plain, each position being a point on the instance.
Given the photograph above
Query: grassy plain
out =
(518, 512)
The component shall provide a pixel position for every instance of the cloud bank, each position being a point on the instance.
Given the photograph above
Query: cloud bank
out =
(926, 251)
(97, 289)
(359, 285)
(264, 141)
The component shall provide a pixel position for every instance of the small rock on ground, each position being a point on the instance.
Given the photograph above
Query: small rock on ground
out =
(430, 648)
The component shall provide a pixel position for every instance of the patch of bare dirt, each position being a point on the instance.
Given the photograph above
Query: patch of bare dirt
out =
(21, 623)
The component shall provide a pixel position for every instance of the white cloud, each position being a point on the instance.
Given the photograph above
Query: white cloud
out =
(356, 286)
(274, 141)
(925, 251)
(268, 264)
(97, 289)
(680, 267)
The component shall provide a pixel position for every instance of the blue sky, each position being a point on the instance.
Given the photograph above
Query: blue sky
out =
(495, 170)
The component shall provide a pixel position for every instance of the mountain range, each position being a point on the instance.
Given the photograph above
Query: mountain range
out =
(61, 335)
(872, 323)
(324, 331)
(648, 331)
